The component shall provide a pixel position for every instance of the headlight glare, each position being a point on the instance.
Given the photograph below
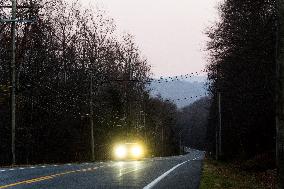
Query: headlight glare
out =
(120, 151)
(136, 151)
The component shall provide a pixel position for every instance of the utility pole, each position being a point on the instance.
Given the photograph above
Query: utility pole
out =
(216, 144)
(218, 127)
(220, 124)
(91, 108)
(13, 21)
(92, 119)
(127, 88)
(163, 146)
(180, 151)
(280, 94)
(13, 80)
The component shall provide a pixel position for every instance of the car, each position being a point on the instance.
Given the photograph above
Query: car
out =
(128, 151)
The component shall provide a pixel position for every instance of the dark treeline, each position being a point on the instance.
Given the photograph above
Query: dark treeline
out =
(242, 69)
(68, 62)
(192, 124)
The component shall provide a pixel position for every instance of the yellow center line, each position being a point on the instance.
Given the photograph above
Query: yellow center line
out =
(48, 177)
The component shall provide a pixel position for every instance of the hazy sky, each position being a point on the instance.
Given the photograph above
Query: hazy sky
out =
(170, 33)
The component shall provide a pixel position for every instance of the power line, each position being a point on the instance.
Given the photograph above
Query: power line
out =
(185, 98)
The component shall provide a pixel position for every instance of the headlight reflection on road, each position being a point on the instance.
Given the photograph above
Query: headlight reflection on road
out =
(120, 164)
(137, 165)
(128, 167)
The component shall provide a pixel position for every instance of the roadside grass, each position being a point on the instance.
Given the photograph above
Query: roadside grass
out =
(218, 175)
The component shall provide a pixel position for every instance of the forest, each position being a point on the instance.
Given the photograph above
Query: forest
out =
(242, 78)
(76, 78)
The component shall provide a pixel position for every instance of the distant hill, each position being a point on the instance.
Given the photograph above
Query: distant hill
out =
(178, 90)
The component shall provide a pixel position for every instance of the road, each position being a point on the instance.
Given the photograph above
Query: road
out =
(166, 172)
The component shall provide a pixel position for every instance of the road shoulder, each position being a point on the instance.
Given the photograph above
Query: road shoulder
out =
(217, 175)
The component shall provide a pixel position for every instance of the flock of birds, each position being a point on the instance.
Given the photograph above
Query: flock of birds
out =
(163, 80)
(177, 78)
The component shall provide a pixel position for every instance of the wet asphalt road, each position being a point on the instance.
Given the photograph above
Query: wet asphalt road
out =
(168, 172)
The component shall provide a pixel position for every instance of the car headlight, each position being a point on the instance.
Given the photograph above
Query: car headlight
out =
(120, 151)
(136, 151)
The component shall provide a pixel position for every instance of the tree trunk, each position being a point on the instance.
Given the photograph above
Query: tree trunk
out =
(280, 98)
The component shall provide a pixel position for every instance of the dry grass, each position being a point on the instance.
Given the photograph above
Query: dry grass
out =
(224, 175)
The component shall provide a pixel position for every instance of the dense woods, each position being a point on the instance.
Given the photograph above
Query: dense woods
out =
(192, 124)
(242, 69)
(71, 67)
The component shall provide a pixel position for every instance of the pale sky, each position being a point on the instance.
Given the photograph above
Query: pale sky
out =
(170, 33)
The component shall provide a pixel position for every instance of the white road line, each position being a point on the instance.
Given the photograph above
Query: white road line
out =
(11, 169)
(43, 166)
(55, 165)
(153, 183)
(32, 167)
(21, 168)
(2, 170)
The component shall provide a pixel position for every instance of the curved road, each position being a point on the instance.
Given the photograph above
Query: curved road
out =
(167, 172)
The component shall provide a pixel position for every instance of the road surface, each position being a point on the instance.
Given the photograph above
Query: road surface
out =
(167, 172)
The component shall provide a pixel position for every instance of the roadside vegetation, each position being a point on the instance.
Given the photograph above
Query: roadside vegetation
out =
(220, 175)
(241, 73)
(241, 127)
